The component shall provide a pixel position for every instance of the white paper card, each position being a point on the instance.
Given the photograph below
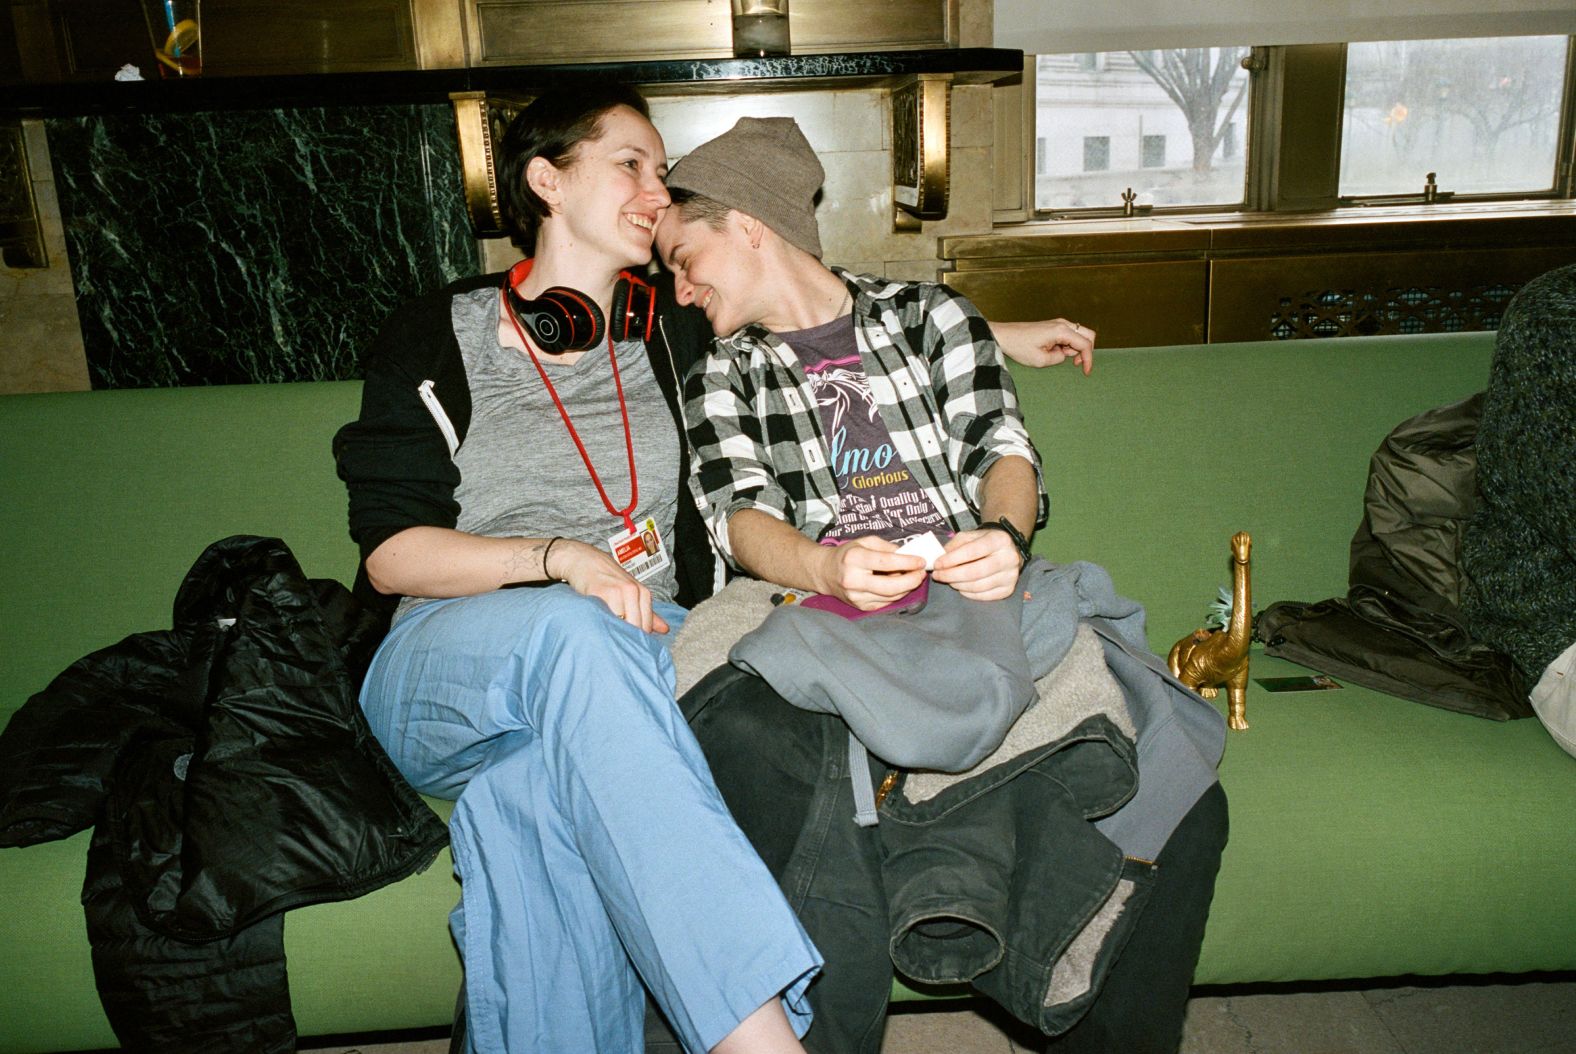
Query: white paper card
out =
(925, 545)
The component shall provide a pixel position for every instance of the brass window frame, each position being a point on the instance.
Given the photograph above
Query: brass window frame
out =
(1562, 186)
(1028, 212)
(1296, 103)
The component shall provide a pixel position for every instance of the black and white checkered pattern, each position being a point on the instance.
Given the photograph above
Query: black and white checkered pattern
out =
(939, 382)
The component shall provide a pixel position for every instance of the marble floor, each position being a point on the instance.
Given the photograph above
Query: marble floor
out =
(1534, 1015)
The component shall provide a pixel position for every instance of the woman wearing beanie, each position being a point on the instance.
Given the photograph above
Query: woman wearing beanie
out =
(506, 485)
(839, 417)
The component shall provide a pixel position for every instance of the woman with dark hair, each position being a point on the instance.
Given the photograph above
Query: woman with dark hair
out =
(510, 437)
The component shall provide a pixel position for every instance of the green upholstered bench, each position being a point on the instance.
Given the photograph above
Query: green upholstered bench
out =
(1370, 836)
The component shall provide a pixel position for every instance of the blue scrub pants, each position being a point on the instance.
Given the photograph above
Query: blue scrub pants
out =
(592, 847)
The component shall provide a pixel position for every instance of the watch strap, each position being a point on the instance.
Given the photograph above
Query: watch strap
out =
(1018, 540)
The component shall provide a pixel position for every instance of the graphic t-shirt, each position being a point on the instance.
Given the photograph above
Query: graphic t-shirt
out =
(879, 494)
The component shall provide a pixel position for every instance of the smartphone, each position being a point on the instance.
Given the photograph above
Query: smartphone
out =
(904, 605)
(1319, 682)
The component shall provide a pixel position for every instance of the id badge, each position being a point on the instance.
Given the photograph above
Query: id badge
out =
(641, 552)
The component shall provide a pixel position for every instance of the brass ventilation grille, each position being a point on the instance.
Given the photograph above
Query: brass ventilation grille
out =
(1410, 309)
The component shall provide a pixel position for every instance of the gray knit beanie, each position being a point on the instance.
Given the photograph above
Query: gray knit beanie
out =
(763, 166)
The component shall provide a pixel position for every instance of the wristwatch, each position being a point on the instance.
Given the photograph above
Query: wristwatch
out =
(1018, 540)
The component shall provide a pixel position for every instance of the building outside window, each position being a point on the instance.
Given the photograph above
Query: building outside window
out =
(1486, 115)
(1133, 103)
(1154, 151)
(1096, 153)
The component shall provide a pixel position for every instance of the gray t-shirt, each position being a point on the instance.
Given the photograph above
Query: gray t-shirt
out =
(520, 473)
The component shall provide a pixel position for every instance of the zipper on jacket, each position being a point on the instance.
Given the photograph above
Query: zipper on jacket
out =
(678, 382)
(435, 408)
(719, 566)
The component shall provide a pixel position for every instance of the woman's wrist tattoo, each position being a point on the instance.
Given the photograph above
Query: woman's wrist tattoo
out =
(524, 560)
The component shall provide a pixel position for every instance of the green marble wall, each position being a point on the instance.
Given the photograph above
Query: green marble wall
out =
(249, 246)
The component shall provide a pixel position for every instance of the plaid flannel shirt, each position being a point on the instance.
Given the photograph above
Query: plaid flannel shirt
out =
(940, 385)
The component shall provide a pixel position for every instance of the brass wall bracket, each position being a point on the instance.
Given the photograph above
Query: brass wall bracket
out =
(21, 234)
(921, 173)
(480, 119)
(921, 170)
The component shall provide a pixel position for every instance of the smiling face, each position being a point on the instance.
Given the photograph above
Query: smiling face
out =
(606, 202)
(712, 269)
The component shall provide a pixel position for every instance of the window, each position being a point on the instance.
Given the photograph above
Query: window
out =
(1097, 153)
(1484, 115)
(1154, 151)
(1336, 125)
(1124, 106)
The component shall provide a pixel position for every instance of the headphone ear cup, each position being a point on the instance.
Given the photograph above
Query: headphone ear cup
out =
(584, 319)
(545, 323)
(634, 308)
(560, 320)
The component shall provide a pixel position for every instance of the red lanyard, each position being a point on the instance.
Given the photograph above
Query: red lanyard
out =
(629, 439)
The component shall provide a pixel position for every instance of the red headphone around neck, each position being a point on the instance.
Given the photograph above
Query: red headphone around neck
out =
(564, 319)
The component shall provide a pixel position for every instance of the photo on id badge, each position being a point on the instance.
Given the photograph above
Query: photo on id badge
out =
(640, 551)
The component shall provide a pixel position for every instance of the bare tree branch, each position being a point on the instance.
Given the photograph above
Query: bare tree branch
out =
(1197, 80)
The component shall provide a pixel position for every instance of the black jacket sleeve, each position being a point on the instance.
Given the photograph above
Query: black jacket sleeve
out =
(394, 459)
(682, 338)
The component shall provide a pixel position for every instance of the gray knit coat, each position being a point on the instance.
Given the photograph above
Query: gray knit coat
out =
(1519, 551)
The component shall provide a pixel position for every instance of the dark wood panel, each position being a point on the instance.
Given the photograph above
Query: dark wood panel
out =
(22, 27)
(1342, 273)
(89, 40)
(94, 38)
(1130, 305)
(536, 31)
(833, 25)
(66, 41)
(296, 36)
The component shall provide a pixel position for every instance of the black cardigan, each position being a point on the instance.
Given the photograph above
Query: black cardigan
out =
(396, 462)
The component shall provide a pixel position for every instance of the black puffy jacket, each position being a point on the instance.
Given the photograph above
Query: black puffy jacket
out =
(1400, 628)
(231, 776)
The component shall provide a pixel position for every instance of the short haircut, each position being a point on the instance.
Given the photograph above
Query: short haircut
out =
(693, 206)
(552, 126)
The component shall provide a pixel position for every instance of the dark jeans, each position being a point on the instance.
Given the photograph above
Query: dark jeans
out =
(1140, 1007)
(769, 760)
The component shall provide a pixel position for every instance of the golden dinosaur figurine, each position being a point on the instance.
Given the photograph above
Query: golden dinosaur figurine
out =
(1206, 659)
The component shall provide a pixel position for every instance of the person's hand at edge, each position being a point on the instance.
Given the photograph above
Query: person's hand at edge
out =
(981, 564)
(1048, 342)
(591, 572)
(870, 573)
